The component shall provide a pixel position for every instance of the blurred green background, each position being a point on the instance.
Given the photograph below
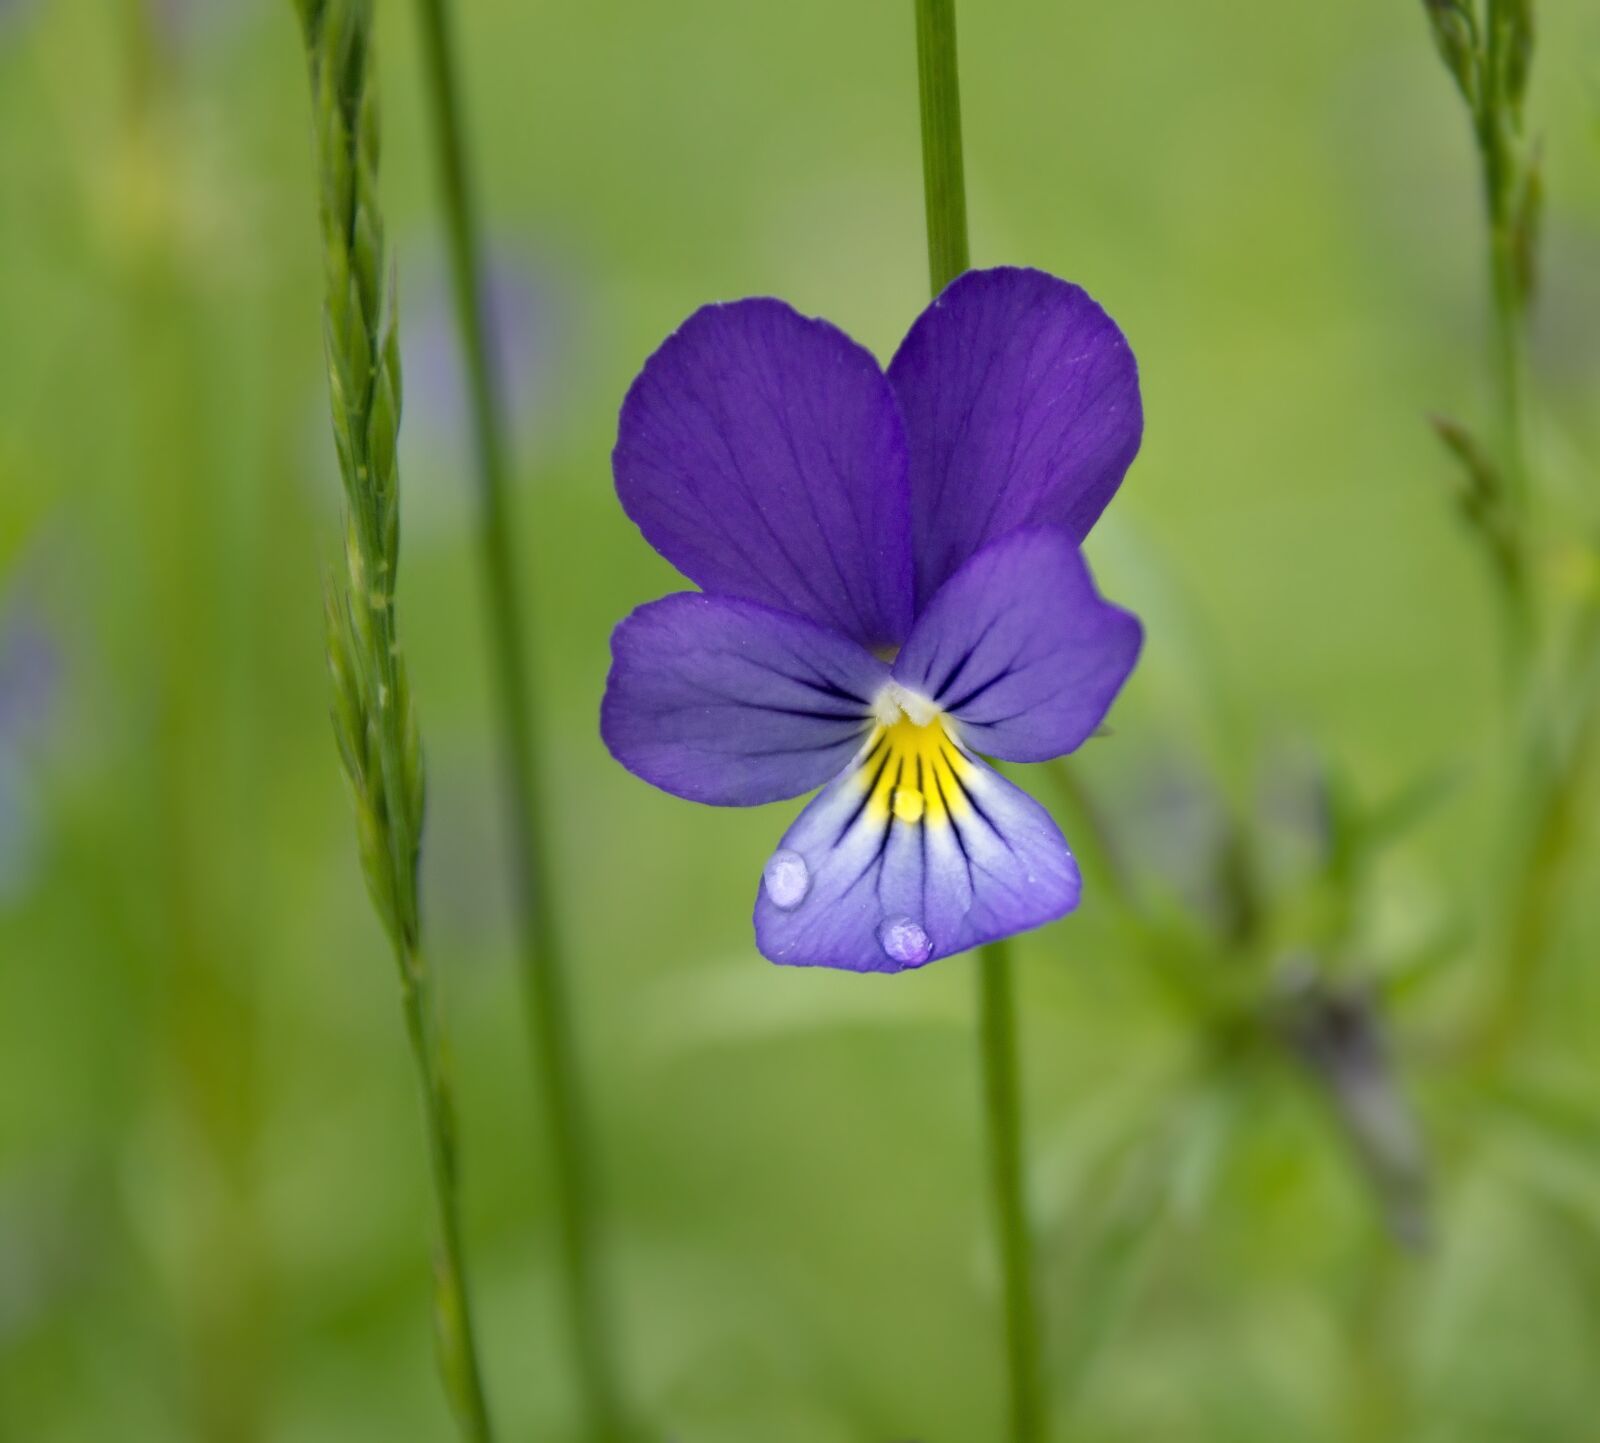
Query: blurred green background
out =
(213, 1217)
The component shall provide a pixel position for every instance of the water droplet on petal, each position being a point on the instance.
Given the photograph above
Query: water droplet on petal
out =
(904, 941)
(787, 879)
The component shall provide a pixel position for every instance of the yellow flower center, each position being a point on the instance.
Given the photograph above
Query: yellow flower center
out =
(914, 772)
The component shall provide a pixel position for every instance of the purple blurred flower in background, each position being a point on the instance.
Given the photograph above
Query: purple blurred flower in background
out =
(527, 323)
(11, 11)
(29, 668)
(29, 679)
(892, 585)
(523, 318)
(180, 23)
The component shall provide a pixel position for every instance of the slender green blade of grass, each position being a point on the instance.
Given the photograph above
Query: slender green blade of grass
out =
(374, 720)
(544, 968)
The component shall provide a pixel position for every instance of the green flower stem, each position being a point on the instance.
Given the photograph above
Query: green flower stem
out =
(374, 722)
(945, 191)
(1003, 1114)
(944, 186)
(545, 982)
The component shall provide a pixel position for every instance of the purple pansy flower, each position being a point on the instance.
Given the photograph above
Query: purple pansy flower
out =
(891, 586)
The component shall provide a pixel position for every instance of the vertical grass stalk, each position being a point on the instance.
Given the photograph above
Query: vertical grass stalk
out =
(373, 717)
(1487, 47)
(545, 984)
(945, 192)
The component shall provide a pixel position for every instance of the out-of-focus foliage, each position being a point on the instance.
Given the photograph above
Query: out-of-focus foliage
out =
(1283, 1193)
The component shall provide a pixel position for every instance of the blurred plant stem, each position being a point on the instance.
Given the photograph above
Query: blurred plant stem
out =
(1486, 46)
(1097, 850)
(1508, 195)
(1167, 949)
(372, 712)
(1552, 709)
(544, 972)
(195, 792)
(1550, 814)
(945, 190)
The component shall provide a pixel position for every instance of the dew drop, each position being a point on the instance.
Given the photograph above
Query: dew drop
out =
(904, 941)
(787, 879)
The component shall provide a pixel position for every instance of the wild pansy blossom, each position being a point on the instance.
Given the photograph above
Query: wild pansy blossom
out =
(891, 586)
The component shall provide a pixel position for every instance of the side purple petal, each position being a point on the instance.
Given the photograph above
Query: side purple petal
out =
(730, 702)
(1021, 405)
(762, 453)
(864, 882)
(1021, 649)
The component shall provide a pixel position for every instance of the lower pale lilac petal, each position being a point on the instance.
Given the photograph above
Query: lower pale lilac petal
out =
(917, 851)
(732, 703)
(1021, 649)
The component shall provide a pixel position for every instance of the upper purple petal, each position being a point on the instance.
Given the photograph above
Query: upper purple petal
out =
(730, 702)
(1021, 649)
(762, 453)
(1021, 405)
